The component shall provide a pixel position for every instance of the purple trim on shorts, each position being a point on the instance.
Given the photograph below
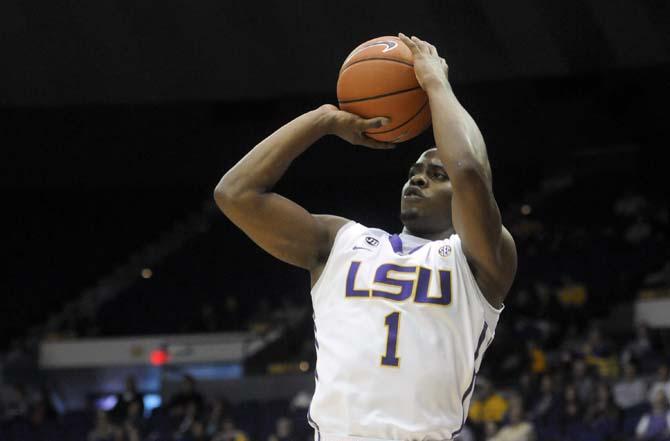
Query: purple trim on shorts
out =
(472, 382)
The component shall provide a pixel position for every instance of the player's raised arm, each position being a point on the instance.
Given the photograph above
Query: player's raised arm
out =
(278, 225)
(460, 146)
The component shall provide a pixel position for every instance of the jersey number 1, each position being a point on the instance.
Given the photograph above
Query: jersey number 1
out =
(393, 322)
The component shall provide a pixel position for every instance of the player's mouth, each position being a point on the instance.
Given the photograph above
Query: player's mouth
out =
(413, 193)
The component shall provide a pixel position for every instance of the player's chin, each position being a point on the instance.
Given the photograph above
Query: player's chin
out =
(409, 214)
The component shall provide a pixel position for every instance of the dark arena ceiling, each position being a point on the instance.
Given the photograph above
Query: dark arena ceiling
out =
(117, 51)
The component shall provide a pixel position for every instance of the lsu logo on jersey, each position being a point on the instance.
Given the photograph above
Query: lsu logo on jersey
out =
(399, 283)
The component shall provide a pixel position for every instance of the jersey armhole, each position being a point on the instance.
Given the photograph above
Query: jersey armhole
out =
(338, 236)
(489, 309)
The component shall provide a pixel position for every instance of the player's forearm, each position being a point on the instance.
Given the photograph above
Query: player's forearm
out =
(460, 144)
(261, 168)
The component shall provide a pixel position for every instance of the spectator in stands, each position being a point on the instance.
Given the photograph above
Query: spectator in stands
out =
(195, 432)
(630, 391)
(538, 359)
(629, 204)
(602, 415)
(518, 428)
(301, 400)
(209, 319)
(572, 341)
(104, 430)
(129, 432)
(572, 423)
(229, 432)
(129, 396)
(489, 429)
(639, 231)
(188, 420)
(37, 420)
(639, 349)
(655, 425)
(232, 317)
(15, 402)
(659, 278)
(661, 383)
(545, 408)
(134, 424)
(178, 404)
(527, 387)
(600, 353)
(214, 419)
(572, 295)
(283, 430)
(489, 405)
(583, 381)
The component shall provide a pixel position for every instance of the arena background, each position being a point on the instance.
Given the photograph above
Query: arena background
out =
(117, 120)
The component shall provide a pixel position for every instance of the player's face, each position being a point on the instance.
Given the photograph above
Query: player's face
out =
(425, 205)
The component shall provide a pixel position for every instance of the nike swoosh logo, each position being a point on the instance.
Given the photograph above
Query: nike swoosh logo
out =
(390, 45)
(361, 248)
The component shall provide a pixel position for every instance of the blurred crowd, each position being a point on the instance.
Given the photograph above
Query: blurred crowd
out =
(588, 389)
(593, 390)
(185, 416)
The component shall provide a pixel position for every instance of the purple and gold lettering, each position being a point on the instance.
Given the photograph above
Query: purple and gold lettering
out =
(416, 280)
(392, 321)
(351, 282)
(406, 285)
(423, 283)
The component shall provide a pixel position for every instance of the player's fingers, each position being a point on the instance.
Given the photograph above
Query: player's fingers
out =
(432, 48)
(375, 123)
(420, 44)
(409, 43)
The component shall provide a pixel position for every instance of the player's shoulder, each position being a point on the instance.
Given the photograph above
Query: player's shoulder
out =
(347, 230)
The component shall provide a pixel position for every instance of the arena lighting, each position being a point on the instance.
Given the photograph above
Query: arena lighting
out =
(147, 273)
(303, 366)
(159, 357)
(526, 209)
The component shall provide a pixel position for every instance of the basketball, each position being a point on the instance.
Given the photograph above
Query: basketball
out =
(377, 79)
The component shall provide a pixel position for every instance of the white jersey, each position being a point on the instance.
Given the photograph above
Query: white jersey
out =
(400, 327)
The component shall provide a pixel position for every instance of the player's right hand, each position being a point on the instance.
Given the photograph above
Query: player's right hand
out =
(352, 127)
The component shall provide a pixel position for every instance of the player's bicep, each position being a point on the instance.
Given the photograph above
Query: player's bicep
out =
(477, 221)
(283, 228)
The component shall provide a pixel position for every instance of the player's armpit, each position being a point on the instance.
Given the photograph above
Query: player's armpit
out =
(280, 226)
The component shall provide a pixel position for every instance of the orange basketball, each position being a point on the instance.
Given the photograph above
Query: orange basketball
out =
(377, 79)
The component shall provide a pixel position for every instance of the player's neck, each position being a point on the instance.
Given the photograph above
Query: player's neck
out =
(430, 236)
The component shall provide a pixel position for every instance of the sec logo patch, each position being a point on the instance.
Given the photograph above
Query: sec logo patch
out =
(444, 251)
(371, 241)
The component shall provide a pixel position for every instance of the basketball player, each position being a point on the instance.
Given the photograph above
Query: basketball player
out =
(401, 320)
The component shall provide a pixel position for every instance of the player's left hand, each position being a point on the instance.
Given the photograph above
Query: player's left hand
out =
(430, 69)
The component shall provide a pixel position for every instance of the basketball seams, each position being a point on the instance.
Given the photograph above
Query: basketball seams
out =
(395, 60)
(384, 95)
